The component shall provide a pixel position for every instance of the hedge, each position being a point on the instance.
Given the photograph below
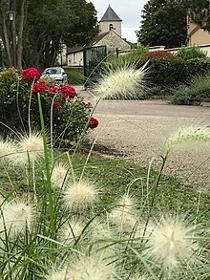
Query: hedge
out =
(170, 72)
(70, 115)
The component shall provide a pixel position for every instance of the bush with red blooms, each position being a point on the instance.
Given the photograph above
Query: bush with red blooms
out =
(154, 54)
(70, 111)
(31, 74)
(67, 92)
(93, 123)
(39, 86)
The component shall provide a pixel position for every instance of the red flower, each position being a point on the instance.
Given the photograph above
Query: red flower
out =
(93, 123)
(54, 89)
(40, 86)
(31, 74)
(56, 104)
(67, 92)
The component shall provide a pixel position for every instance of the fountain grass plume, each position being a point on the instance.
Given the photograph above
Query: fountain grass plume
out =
(30, 146)
(187, 135)
(62, 274)
(125, 81)
(80, 195)
(17, 215)
(70, 231)
(123, 215)
(172, 243)
(128, 203)
(8, 150)
(90, 268)
(59, 175)
(123, 220)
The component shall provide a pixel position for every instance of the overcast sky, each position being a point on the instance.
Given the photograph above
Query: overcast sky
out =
(128, 10)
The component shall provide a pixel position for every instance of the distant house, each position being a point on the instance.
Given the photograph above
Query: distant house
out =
(197, 35)
(110, 32)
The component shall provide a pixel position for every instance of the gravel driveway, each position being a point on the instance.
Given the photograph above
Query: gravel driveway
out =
(138, 129)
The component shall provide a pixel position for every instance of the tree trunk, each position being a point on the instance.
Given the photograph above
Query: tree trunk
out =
(20, 34)
(6, 40)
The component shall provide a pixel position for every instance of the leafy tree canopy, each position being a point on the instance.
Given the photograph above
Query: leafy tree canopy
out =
(48, 24)
(200, 12)
(163, 23)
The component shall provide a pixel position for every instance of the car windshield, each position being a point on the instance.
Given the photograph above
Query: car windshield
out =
(53, 71)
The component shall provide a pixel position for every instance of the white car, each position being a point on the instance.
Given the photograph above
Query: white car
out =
(56, 73)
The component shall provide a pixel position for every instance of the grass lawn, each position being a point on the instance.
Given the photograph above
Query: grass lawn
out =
(75, 75)
(113, 178)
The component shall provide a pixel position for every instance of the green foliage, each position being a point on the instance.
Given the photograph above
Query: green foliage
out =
(158, 93)
(69, 120)
(191, 52)
(183, 96)
(164, 23)
(199, 12)
(131, 58)
(169, 72)
(32, 254)
(195, 93)
(140, 50)
(164, 73)
(75, 75)
(47, 24)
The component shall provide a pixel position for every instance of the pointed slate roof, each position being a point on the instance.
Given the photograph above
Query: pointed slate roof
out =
(110, 15)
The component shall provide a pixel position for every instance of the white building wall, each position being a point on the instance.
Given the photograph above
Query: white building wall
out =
(75, 59)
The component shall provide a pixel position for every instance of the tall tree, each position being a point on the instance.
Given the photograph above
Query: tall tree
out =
(163, 23)
(199, 11)
(55, 22)
(12, 19)
(41, 26)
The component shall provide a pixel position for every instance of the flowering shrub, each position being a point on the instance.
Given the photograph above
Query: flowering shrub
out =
(31, 74)
(70, 113)
(39, 87)
(153, 54)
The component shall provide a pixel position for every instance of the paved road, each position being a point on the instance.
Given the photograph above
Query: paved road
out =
(139, 128)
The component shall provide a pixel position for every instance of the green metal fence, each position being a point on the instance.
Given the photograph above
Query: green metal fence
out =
(92, 57)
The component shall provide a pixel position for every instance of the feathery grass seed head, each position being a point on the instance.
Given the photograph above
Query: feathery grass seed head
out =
(124, 81)
(100, 230)
(187, 135)
(127, 203)
(59, 175)
(59, 275)
(80, 195)
(138, 276)
(17, 216)
(31, 145)
(70, 231)
(88, 268)
(172, 242)
(122, 219)
(7, 151)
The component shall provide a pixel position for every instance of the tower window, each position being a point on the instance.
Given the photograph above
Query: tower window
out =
(111, 27)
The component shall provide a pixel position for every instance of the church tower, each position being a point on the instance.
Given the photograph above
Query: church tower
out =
(110, 21)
